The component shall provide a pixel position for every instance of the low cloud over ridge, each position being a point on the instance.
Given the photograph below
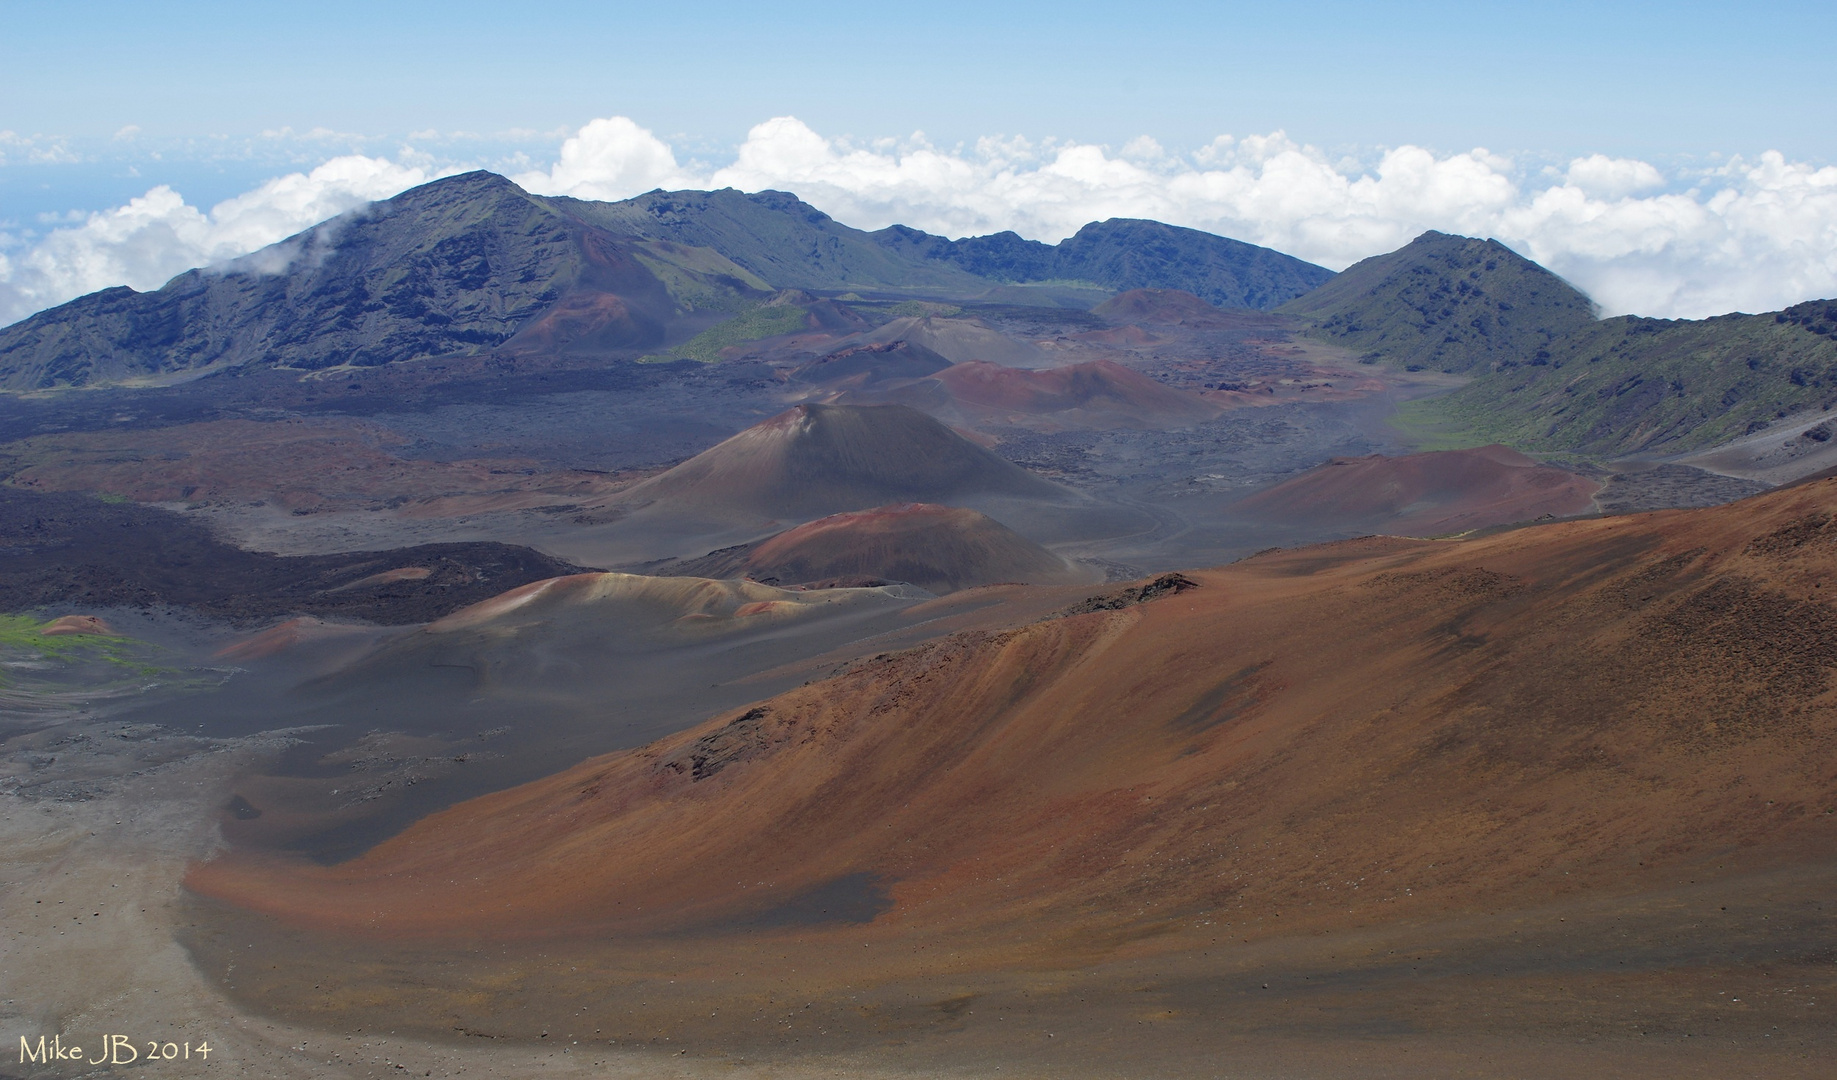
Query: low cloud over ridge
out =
(1752, 234)
(146, 242)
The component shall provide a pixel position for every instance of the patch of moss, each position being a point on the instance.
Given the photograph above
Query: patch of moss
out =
(759, 321)
(922, 308)
(21, 636)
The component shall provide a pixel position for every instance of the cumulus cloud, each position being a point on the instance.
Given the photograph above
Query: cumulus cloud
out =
(144, 243)
(612, 158)
(1612, 178)
(1748, 235)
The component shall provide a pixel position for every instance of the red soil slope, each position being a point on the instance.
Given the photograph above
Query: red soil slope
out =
(1369, 732)
(1432, 494)
(284, 637)
(76, 624)
(940, 548)
(1165, 306)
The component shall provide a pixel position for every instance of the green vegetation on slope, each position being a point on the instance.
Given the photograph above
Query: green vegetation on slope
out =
(1445, 303)
(772, 234)
(1628, 385)
(758, 321)
(698, 279)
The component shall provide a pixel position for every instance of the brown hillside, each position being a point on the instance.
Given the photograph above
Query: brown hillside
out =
(1166, 306)
(1431, 494)
(940, 548)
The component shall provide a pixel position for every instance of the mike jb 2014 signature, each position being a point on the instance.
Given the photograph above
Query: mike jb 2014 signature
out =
(108, 1050)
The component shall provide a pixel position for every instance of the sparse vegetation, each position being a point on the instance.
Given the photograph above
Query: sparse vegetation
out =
(922, 308)
(759, 321)
(1627, 385)
(21, 638)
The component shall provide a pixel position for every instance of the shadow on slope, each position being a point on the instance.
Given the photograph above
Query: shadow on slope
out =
(390, 727)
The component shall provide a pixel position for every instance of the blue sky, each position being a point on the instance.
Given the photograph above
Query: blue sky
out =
(1639, 112)
(199, 79)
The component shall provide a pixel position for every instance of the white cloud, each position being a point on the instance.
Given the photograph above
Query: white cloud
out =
(1612, 178)
(612, 158)
(53, 153)
(1749, 235)
(158, 235)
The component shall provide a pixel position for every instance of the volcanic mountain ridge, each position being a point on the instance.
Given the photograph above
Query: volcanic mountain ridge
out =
(473, 264)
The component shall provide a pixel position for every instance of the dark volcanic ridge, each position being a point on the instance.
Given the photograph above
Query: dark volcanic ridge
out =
(473, 264)
(1127, 253)
(69, 550)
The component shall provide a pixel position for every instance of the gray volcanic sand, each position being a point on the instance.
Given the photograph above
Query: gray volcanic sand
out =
(1648, 486)
(1702, 979)
(389, 725)
(1786, 450)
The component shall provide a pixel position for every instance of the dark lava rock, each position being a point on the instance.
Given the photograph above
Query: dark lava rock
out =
(69, 550)
(1165, 585)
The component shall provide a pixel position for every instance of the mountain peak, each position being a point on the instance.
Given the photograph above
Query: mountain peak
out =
(818, 459)
(1447, 302)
